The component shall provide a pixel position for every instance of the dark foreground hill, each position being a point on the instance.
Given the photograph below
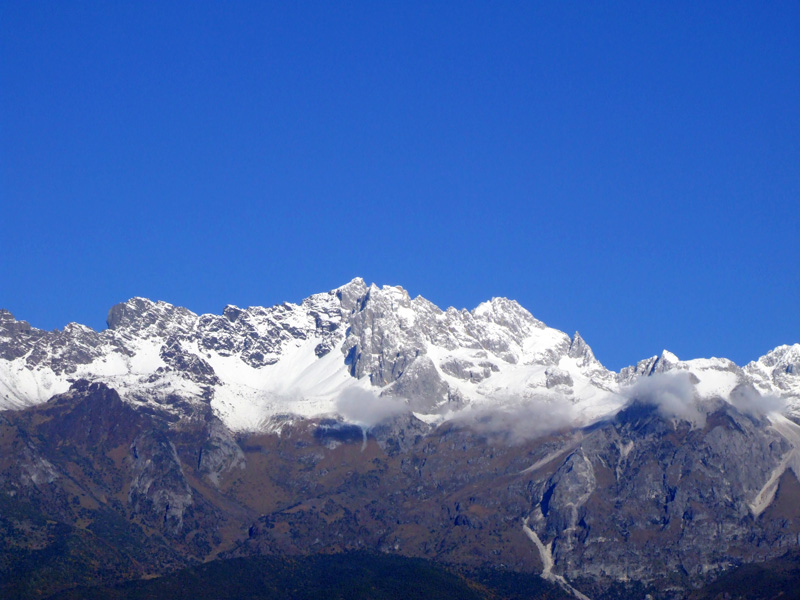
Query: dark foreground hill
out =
(366, 576)
(350, 576)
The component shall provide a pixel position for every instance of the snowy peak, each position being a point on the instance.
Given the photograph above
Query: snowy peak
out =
(666, 361)
(710, 376)
(508, 314)
(251, 363)
(783, 358)
(440, 360)
(667, 358)
(778, 372)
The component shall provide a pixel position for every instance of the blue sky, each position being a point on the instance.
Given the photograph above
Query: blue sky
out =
(629, 170)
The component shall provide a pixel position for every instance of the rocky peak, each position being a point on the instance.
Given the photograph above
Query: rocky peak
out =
(16, 337)
(378, 344)
(125, 313)
(9, 326)
(664, 362)
(232, 312)
(141, 314)
(384, 300)
(351, 294)
(507, 313)
(778, 371)
(649, 366)
(581, 351)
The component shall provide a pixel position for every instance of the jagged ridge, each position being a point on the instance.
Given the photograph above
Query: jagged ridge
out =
(253, 365)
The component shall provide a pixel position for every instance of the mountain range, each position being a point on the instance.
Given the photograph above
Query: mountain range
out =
(364, 420)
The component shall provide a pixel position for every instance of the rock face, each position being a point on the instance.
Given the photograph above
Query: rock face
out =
(158, 491)
(364, 419)
(640, 490)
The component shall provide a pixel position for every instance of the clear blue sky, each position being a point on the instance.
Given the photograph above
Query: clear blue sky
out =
(630, 170)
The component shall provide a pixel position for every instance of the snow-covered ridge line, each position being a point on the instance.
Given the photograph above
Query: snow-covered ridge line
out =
(252, 365)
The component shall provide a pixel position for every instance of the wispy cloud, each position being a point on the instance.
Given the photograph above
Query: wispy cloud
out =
(519, 421)
(673, 395)
(367, 409)
(747, 399)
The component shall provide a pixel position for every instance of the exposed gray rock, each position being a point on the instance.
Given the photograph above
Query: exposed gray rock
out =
(16, 337)
(186, 363)
(581, 351)
(400, 433)
(467, 370)
(421, 386)
(220, 452)
(159, 492)
(642, 495)
(556, 377)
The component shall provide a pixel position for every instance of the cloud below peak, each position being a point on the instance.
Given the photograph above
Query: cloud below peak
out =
(367, 409)
(672, 393)
(675, 397)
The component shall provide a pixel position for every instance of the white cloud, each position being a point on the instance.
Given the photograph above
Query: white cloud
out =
(367, 409)
(673, 395)
(519, 421)
(747, 399)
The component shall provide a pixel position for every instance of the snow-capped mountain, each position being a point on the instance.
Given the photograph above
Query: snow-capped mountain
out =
(364, 419)
(778, 372)
(257, 364)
